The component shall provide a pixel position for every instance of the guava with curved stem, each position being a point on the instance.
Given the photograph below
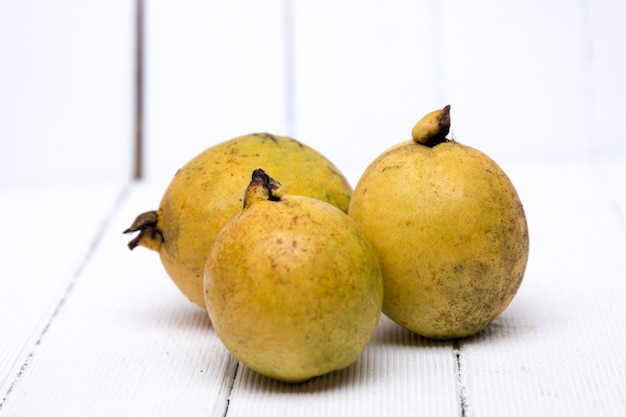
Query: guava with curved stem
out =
(292, 287)
(449, 229)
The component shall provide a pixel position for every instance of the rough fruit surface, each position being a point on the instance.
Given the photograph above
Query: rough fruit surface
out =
(293, 288)
(450, 233)
(207, 193)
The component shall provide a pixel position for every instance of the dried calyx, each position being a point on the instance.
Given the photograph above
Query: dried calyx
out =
(149, 234)
(262, 187)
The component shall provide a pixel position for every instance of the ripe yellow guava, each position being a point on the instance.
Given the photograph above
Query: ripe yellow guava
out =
(207, 193)
(449, 230)
(293, 288)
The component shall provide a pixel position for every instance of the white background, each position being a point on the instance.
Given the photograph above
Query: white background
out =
(526, 80)
(89, 328)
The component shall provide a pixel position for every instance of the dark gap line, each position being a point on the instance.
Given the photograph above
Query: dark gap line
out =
(138, 91)
(289, 67)
(456, 346)
(230, 391)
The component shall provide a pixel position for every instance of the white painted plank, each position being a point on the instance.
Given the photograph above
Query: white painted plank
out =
(610, 174)
(47, 234)
(399, 373)
(517, 76)
(556, 351)
(607, 58)
(364, 73)
(66, 90)
(214, 70)
(125, 342)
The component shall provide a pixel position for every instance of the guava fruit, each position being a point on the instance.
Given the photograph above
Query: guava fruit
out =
(207, 192)
(292, 287)
(449, 230)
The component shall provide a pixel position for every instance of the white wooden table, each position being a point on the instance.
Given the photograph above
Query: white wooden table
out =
(89, 328)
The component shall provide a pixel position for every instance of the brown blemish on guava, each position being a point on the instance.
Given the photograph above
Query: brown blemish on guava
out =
(385, 168)
(265, 136)
(471, 299)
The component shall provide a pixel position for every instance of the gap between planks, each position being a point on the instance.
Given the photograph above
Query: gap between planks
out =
(232, 386)
(138, 90)
(456, 347)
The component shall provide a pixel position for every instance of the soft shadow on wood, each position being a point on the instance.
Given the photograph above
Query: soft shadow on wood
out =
(253, 382)
(390, 333)
(176, 312)
(503, 327)
(366, 371)
(519, 320)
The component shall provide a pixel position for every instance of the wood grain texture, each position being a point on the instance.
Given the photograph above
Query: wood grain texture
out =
(48, 236)
(124, 342)
(425, 370)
